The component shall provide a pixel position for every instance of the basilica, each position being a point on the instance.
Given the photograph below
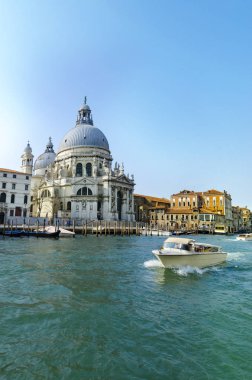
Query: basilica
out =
(79, 181)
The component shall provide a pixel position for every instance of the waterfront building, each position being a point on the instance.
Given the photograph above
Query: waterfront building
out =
(216, 211)
(209, 211)
(237, 219)
(182, 213)
(148, 207)
(158, 216)
(78, 181)
(186, 200)
(246, 219)
(184, 210)
(14, 195)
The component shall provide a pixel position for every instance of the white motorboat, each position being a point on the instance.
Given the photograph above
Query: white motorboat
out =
(159, 233)
(155, 232)
(177, 252)
(244, 237)
(63, 232)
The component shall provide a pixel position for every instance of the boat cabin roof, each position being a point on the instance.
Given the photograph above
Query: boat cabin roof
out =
(188, 241)
(179, 240)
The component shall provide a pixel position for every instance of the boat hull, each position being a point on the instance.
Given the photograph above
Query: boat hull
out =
(63, 232)
(244, 238)
(14, 233)
(201, 260)
(42, 234)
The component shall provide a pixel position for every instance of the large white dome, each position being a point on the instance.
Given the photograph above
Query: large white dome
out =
(84, 133)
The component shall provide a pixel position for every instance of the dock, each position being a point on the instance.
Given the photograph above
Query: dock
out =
(97, 228)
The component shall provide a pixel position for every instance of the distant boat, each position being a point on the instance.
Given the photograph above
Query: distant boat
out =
(155, 232)
(160, 233)
(41, 233)
(179, 232)
(220, 229)
(244, 237)
(63, 232)
(178, 252)
(44, 234)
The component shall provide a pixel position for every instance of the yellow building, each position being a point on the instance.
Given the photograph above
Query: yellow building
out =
(216, 211)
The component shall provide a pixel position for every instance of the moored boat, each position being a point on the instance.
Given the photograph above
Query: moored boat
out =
(177, 252)
(43, 234)
(13, 233)
(155, 232)
(63, 231)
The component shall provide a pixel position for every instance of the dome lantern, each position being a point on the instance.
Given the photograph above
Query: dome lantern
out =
(49, 146)
(84, 114)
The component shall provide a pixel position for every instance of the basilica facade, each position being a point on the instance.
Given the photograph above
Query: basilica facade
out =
(79, 181)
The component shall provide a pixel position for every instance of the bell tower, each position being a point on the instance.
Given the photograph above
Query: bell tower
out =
(27, 160)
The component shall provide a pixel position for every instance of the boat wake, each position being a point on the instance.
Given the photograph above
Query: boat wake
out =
(187, 270)
(181, 271)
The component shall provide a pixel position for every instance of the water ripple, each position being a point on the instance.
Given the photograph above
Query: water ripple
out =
(103, 308)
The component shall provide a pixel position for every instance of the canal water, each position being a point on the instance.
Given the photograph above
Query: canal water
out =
(102, 308)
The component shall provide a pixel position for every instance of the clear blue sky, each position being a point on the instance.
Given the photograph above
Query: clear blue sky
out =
(169, 83)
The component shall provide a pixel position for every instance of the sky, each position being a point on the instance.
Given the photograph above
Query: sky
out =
(169, 84)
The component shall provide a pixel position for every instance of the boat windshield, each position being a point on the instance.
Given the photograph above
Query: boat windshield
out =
(177, 246)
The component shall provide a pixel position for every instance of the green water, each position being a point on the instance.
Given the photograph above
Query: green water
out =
(102, 308)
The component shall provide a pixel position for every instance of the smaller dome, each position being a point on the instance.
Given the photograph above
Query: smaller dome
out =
(45, 159)
(85, 107)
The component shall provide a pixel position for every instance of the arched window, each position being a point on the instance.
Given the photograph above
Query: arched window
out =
(25, 199)
(61, 206)
(12, 198)
(89, 169)
(84, 191)
(45, 194)
(79, 170)
(3, 197)
(68, 206)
